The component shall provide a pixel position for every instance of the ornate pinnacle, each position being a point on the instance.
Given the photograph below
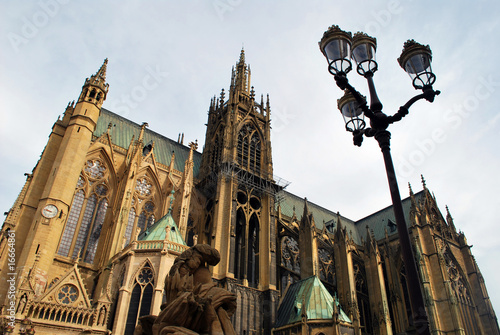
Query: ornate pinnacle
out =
(242, 56)
(222, 96)
(423, 181)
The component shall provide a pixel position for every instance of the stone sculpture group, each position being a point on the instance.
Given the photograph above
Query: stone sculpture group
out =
(194, 304)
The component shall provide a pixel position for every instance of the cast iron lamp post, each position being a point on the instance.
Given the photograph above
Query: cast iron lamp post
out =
(416, 61)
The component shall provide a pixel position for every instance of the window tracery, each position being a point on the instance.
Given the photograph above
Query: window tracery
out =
(143, 186)
(143, 207)
(140, 299)
(362, 296)
(327, 265)
(87, 212)
(67, 294)
(290, 254)
(249, 148)
(95, 169)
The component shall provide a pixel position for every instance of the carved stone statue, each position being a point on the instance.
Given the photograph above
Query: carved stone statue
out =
(194, 303)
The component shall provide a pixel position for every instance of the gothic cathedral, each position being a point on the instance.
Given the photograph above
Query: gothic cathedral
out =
(110, 204)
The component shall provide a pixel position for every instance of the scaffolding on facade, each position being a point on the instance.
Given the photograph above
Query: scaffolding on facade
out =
(271, 185)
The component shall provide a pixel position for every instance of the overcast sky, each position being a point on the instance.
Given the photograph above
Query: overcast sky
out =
(168, 58)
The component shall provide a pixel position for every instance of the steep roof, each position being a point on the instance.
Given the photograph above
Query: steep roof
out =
(311, 296)
(384, 219)
(377, 222)
(123, 130)
(158, 231)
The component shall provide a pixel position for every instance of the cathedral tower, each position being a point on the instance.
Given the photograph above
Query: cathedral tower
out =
(236, 176)
(50, 188)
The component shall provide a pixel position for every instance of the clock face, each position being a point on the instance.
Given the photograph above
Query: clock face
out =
(49, 211)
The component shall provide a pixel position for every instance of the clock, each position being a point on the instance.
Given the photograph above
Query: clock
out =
(49, 211)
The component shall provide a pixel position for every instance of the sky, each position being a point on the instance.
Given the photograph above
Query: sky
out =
(167, 59)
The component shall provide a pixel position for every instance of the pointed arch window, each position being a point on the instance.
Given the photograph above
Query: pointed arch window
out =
(249, 148)
(460, 287)
(142, 211)
(253, 251)
(362, 297)
(247, 247)
(87, 213)
(240, 250)
(140, 299)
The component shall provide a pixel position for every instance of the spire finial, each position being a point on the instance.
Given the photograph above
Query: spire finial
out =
(242, 56)
(99, 78)
(409, 186)
(101, 74)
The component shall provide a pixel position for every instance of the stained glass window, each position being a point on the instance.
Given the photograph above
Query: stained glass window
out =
(88, 214)
(95, 169)
(130, 225)
(151, 220)
(96, 231)
(149, 207)
(67, 294)
(141, 223)
(145, 276)
(69, 231)
(82, 230)
(143, 187)
(140, 299)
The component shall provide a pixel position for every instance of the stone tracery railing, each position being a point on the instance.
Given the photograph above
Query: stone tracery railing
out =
(61, 313)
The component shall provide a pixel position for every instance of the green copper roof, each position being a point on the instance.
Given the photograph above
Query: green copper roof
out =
(312, 296)
(377, 222)
(122, 131)
(384, 219)
(321, 215)
(158, 231)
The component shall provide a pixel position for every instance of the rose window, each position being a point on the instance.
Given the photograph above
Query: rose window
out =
(67, 294)
(143, 187)
(95, 169)
(145, 276)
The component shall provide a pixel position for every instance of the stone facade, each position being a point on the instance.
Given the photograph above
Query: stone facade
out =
(84, 263)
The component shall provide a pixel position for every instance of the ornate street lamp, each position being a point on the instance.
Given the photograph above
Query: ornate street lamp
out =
(415, 59)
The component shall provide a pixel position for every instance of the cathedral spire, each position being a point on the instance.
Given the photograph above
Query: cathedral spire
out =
(100, 77)
(242, 75)
(95, 88)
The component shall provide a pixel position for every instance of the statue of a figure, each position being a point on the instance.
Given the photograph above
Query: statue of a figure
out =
(194, 303)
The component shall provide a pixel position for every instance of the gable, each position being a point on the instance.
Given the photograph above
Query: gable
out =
(69, 291)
